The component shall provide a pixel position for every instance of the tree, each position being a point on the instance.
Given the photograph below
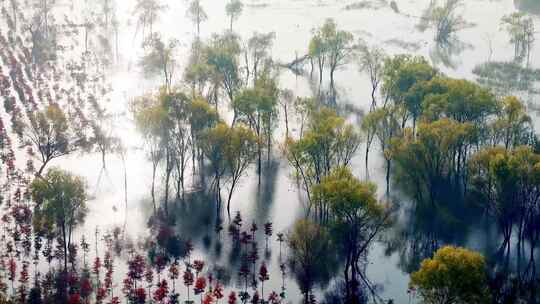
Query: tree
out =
(371, 61)
(50, 133)
(338, 45)
(201, 118)
(60, 205)
(382, 123)
(230, 150)
(151, 120)
(356, 218)
(427, 162)
(196, 13)
(401, 73)
(222, 56)
(239, 155)
(234, 9)
(317, 51)
(329, 142)
(520, 28)
(506, 183)
(513, 126)
(257, 107)
(178, 140)
(160, 59)
(257, 52)
(453, 275)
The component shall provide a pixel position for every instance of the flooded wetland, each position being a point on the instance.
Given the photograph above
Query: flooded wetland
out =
(269, 151)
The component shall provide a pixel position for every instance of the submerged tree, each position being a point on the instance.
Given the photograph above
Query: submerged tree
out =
(151, 120)
(257, 55)
(257, 107)
(383, 125)
(427, 163)
(370, 60)
(330, 46)
(230, 151)
(338, 45)
(356, 217)
(506, 183)
(221, 56)
(328, 142)
(60, 206)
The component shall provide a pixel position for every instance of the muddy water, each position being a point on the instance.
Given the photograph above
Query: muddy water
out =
(278, 199)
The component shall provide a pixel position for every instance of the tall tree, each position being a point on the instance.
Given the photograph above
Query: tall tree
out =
(234, 9)
(521, 30)
(339, 46)
(197, 14)
(151, 120)
(161, 59)
(257, 107)
(60, 205)
(328, 142)
(230, 150)
(257, 55)
(356, 217)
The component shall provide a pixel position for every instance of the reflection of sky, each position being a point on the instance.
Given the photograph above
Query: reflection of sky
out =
(292, 21)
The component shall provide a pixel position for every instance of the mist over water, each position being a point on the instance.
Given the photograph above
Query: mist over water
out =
(278, 199)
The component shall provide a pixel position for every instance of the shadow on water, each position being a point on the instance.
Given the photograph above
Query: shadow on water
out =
(266, 191)
(422, 228)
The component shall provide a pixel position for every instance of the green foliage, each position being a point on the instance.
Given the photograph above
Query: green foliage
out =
(453, 275)
(402, 72)
(50, 133)
(513, 126)
(222, 56)
(60, 206)
(505, 182)
(202, 116)
(60, 199)
(458, 99)
(355, 216)
(230, 150)
(234, 9)
(427, 162)
(328, 142)
(347, 198)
